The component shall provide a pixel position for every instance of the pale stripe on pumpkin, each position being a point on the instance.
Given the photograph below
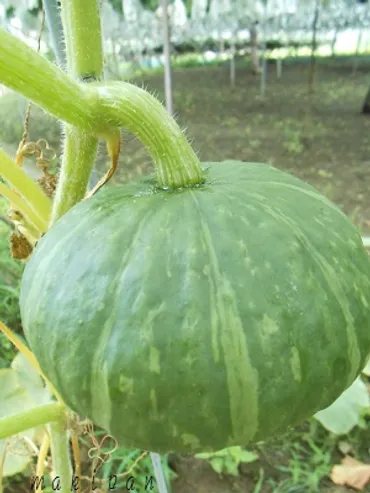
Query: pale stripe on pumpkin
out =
(229, 336)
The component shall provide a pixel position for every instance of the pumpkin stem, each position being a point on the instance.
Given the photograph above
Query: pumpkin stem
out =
(122, 104)
(96, 108)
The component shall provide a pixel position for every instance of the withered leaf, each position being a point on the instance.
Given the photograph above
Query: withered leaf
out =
(351, 473)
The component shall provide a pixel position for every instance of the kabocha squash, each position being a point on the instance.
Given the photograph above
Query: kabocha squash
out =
(204, 317)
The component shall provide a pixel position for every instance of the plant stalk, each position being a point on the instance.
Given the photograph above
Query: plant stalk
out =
(96, 108)
(83, 39)
(80, 150)
(44, 449)
(125, 105)
(27, 72)
(81, 22)
(25, 420)
(59, 445)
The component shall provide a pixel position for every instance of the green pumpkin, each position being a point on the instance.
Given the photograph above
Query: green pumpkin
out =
(200, 318)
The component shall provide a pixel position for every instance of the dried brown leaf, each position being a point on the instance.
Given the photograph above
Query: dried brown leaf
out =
(351, 473)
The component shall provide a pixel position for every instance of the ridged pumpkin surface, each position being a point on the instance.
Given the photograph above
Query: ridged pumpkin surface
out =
(201, 318)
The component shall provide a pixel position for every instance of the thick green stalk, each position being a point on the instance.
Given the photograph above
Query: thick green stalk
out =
(59, 446)
(124, 105)
(83, 39)
(25, 420)
(27, 72)
(80, 150)
(81, 23)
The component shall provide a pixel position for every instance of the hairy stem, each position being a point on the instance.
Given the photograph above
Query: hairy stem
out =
(125, 105)
(25, 420)
(96, 108)
(27, 72)
(83, 39)
(80, 150)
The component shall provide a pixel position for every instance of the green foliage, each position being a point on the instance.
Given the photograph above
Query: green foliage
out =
(36, 9)
(194, 60)
(117, 5)
(12, 109)
(307, 467)
(227, 461)
(366, 370)
(21, 388)
(14, 9)
(123, 459)
(10, 274)
(345, 413)
(302, 457)
(150, 4)
(10, 12)
(292, 136)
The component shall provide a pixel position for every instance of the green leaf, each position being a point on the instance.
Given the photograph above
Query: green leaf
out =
(204, 455)
(366, 370)
(227, 460)
(21, 388)
(30, 380)
(344, 413)
(14, 398)
(231, 467)
(220, 453)
(217, 464)
(245, 456)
